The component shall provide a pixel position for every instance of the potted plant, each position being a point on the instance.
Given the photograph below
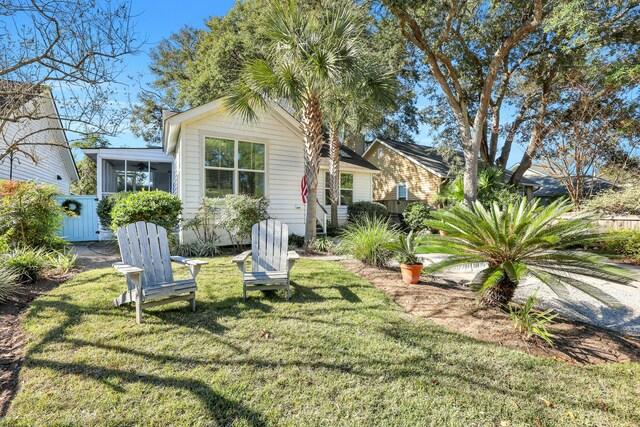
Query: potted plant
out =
(405, 250)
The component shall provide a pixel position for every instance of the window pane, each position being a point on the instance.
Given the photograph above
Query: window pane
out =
(402, 192)
(346, 197)
(346, 180)
(251, 183)
(218, 152)
(218, 183)
(250, 155)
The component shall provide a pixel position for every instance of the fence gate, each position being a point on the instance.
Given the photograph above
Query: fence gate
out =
(82, 227)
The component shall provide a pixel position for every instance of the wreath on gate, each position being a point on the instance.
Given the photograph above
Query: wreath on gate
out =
(71, 207)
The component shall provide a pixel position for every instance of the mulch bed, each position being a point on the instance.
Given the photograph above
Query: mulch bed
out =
(454, 306)
(12, 339)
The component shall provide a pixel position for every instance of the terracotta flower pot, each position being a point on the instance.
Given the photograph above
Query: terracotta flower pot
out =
(411, 273)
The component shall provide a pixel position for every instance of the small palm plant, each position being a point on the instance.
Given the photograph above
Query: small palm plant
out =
(404, 247)
(521, 240)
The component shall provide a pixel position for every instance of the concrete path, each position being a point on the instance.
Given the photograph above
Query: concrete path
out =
(93, 255)
(575, 304)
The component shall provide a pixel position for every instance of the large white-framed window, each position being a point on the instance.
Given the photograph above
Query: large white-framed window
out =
(401, 192)
(234, 166)
(346, 189)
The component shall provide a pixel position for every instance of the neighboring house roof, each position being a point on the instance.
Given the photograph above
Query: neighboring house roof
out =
(429, 158)
(550, 185)
(349, 159)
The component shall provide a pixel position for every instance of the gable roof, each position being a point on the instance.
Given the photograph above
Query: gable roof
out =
(550, 185)
(349, 159)
(428, 158)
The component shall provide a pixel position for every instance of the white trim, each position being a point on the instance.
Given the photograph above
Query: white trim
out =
(406, 156)
(406, 191)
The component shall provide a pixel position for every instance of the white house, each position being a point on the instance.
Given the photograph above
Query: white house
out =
(50, 160)
(217, 153)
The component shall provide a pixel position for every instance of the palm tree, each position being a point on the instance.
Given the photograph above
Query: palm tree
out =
(353, 107)
(521, 240)
(309, 54)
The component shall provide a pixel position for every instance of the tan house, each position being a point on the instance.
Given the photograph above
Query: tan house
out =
(410, 172)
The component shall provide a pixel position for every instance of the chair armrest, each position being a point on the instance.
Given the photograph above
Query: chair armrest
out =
(127, 269)
(188, 261)
(292, 256)
(242, 257)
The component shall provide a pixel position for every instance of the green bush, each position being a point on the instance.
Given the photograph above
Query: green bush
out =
(621, 242)
(62, 262)
(491, 188)
(28, 264)
(238, 213)
(359, 211)
(158, 207)
(296, 241)
(9, 284)
(29, 215)
(415, 215)
(204, 223)
(105, 206)
(613, 202)
(367, 240)
(195, 249)
(322, 244)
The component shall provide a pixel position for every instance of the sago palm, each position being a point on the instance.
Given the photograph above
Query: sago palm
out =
(518, 241)
(309, 54)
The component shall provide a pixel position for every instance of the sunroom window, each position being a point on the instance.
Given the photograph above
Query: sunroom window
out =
(234, 167)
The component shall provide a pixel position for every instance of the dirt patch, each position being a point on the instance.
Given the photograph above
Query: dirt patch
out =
(453, 306)
(12, 338)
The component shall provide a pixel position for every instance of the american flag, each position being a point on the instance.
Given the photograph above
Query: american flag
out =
(304, 190)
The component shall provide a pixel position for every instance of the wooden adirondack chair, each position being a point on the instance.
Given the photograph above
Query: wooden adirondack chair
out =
(147, 265)
(271, 261)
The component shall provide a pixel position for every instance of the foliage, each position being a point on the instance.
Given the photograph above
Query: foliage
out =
(322, 244)
(359, 211)
(367, 240)
(27, 263)
(9, 283)
(621, 242)
(491, 188)
(61, 262)
(105, 206)
(238, 214)
(415, 215)
(521, 240)
(87, 168)
(158, 207)
(197, 249)
(529, 321)
(29, 214)
(614, 202)
(296, 241)
(204, 223)
(404, 247)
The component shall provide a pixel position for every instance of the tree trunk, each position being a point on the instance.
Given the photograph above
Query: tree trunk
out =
(311, 126)
(334, 173)
(500, 295)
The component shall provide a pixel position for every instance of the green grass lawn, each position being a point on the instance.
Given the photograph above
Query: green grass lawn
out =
(339, 353)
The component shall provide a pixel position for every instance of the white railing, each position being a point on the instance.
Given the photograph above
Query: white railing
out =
(321, 216)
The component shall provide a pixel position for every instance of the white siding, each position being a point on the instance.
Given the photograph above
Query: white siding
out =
(361, 191)
(49, 162)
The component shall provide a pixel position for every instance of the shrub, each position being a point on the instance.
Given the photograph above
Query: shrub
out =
(530, 322)
(519, 241)
(359, 211)
(621, 242)
(28, 264)
(158, 207)
(29, 215)
(491, 189)
(367, 239)
(195, 249)
(322, 244)
(238, 213)
(296, 241)
(62, 262)
(415, 215)
(612, 202)
(9, 283)
(105, 206)
(204, 223)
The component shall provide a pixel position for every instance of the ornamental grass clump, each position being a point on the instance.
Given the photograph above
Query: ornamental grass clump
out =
(521, 240)
(367, 240)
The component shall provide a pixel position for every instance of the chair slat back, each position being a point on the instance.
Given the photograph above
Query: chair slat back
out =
(145, 245)
(269, 246)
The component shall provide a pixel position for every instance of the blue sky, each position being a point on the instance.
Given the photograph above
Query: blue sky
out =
(156, 20)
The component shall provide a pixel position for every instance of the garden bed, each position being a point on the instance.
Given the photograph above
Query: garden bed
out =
(453, 306)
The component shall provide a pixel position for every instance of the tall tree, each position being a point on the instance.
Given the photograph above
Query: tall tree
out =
(308, 56)
(72, 47)
(460, 37)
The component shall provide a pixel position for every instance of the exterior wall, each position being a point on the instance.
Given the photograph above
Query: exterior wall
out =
(49, 161)
(284, 165)
(396, 169)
